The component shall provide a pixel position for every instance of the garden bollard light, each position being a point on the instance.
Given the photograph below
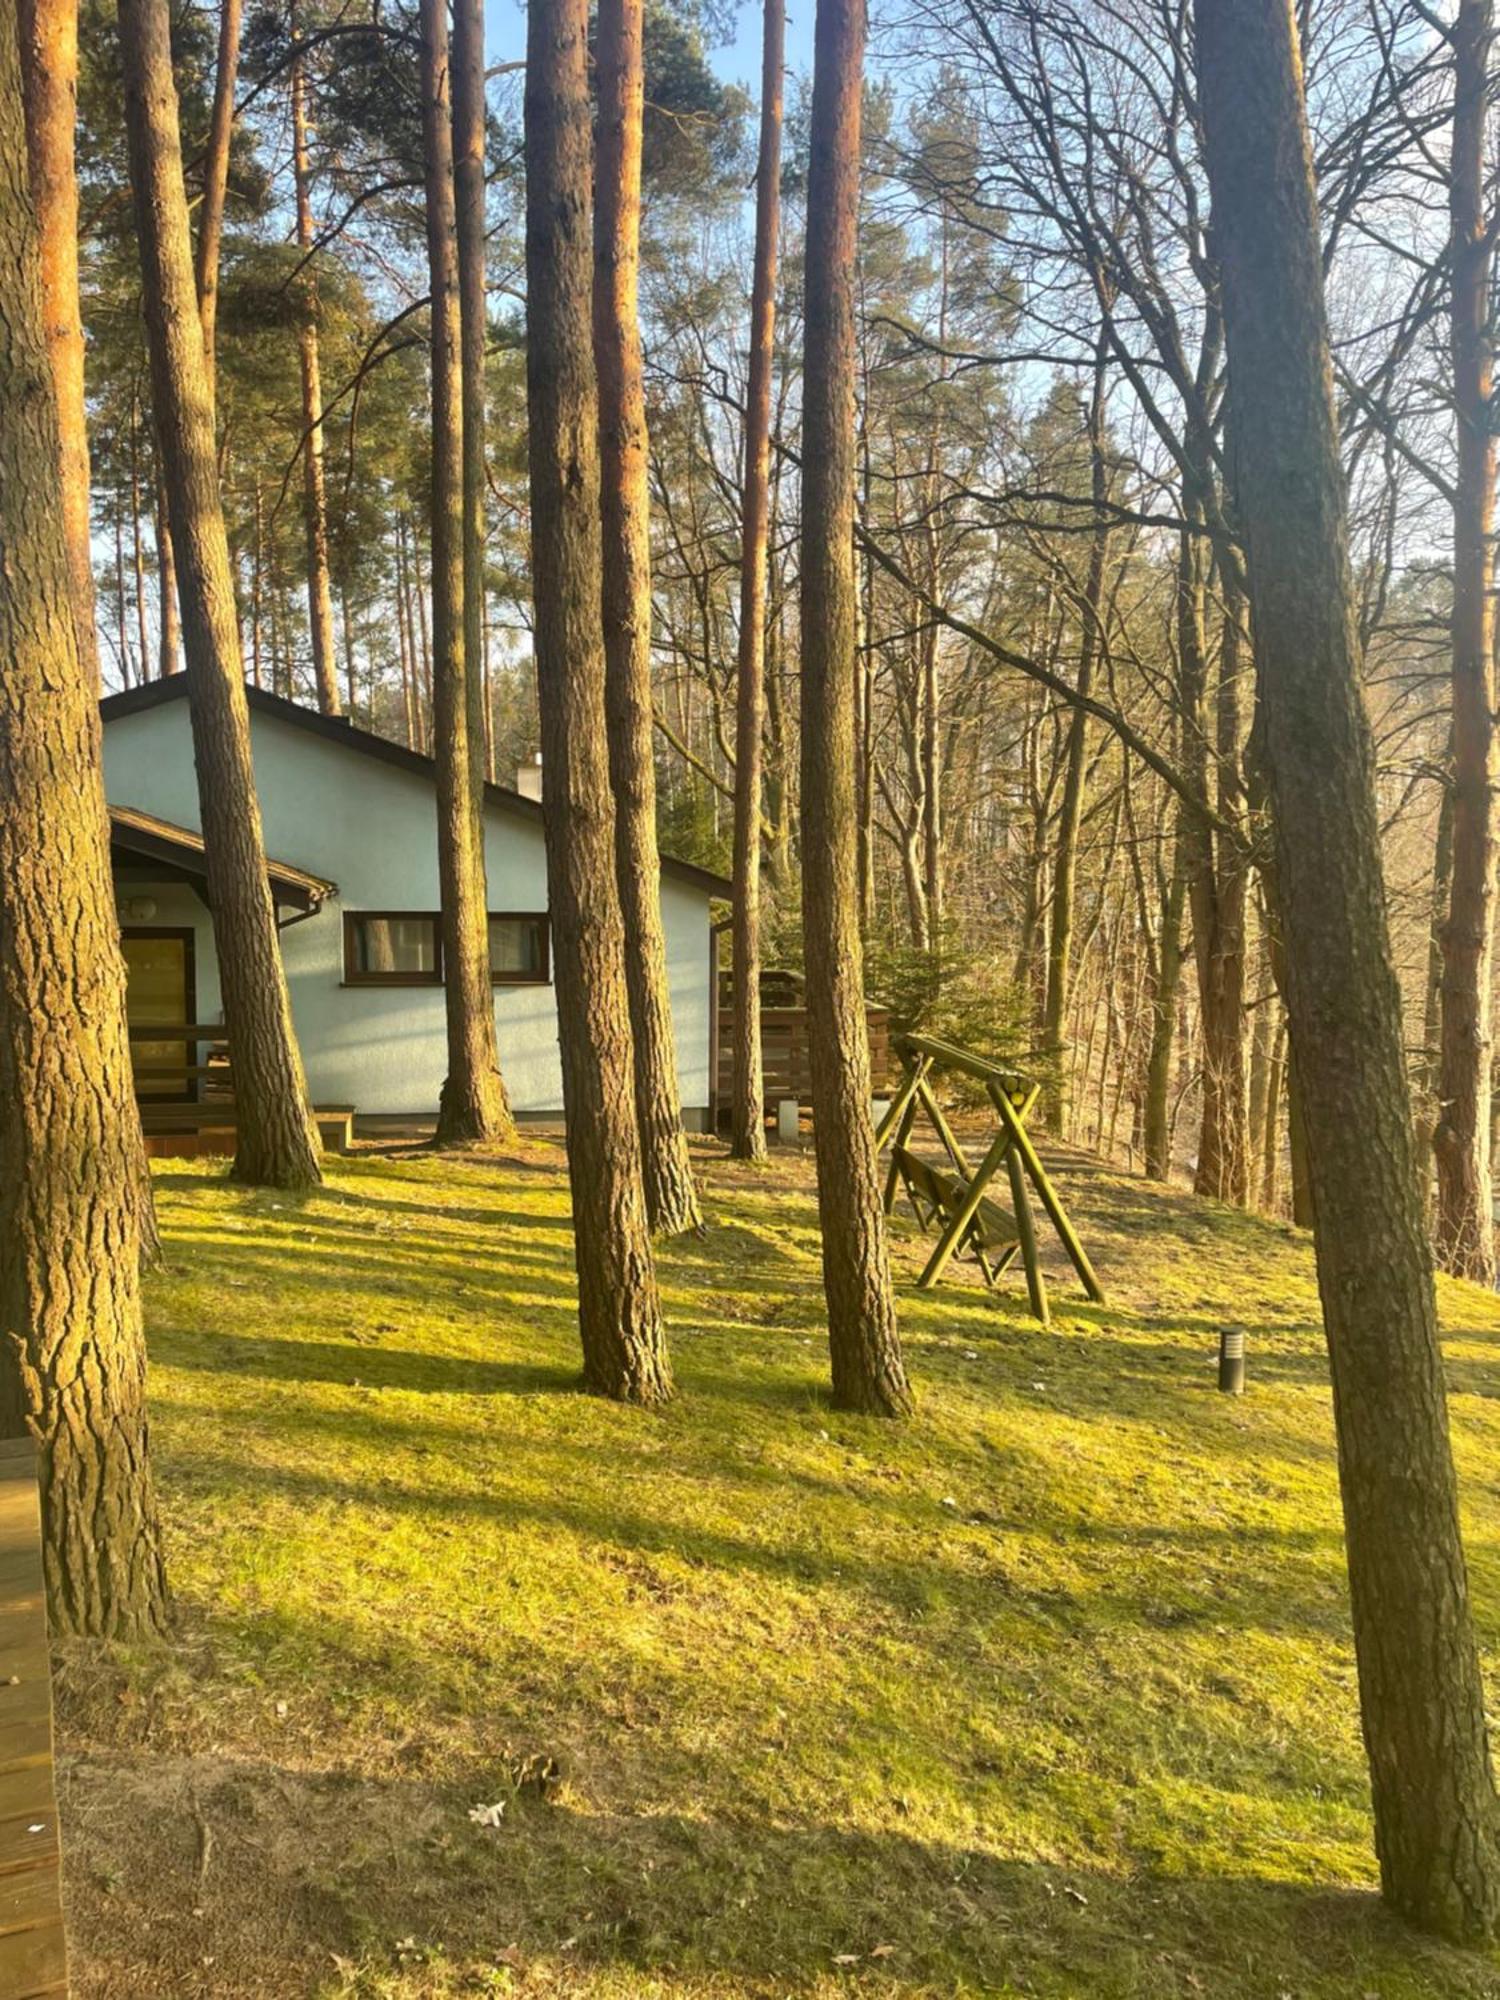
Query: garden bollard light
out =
(1232, 1361)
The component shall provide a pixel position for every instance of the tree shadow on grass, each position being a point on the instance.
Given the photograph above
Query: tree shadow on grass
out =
(375, 1366)
(1264, 1579)
(275, 1869)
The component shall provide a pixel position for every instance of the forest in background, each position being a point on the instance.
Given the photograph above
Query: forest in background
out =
(1048, 571)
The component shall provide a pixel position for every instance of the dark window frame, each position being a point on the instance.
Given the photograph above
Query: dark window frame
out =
(543, 977)
(354, 975)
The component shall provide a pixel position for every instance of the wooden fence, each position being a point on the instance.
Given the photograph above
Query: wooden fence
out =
(786, 1068)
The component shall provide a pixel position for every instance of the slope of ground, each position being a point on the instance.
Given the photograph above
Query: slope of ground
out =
(1049, 1692)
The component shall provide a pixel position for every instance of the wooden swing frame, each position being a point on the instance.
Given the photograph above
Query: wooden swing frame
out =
(970, 1221)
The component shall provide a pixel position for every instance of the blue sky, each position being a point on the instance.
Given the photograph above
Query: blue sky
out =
(737, 61)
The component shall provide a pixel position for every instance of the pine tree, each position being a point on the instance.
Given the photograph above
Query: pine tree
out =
(747, 1139)
(1437, 1826)
(671, 1198)
(473, 1109)
(868, 1372)
(72, 1347)
(276, 1138)
(624, 1348)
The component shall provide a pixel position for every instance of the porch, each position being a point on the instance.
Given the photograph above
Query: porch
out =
(184, 1081)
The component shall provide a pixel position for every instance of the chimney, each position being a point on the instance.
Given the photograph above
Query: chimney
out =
(529, 778)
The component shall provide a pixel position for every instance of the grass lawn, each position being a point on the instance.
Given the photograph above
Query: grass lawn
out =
(1049, 1692)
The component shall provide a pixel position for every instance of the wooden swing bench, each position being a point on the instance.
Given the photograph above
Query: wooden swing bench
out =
(952, 1199)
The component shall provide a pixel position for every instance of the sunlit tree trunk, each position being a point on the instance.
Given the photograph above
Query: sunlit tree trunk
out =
(72, 1347)
(216, 185)
(671, 1198)
(1464, 1228)
(276, 1138)
(1156, 1117)
(1070, 813)
(747, 1140)
(473, 1109)
(1436, 1819)
(49, 78)
(868, 1371)
(314, 495)
(169, 631)
(624, 1346)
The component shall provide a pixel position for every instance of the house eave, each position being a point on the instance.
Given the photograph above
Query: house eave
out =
(338, 729)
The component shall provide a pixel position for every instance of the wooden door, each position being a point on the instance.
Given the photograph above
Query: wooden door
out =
(160, 990)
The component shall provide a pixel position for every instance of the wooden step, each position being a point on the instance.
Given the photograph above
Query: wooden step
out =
(33, 1946)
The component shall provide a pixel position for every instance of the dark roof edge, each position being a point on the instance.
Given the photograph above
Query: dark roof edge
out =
(131, 701)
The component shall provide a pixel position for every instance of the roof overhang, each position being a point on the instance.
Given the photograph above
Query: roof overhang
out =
(338, 729)
(140, 837)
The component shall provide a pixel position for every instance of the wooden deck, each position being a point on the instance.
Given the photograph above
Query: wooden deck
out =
(33, 1947)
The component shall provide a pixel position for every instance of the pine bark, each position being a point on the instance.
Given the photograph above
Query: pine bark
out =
(473, 1109)
(624, 1346)
(747, 1134)
(276, 1138)
(49, 82)
(671, 1198)
(71, 1337)
(1436, 1819)
(216, 186)
(314, 495)
(169, 636)
(865, 1347)
(1464, 1228)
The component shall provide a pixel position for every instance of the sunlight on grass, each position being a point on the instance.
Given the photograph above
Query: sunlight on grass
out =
(1048, 1692)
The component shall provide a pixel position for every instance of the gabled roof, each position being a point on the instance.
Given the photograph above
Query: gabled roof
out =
(338, 729)
(142, 835)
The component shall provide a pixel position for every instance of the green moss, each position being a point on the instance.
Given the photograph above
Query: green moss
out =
(1050, 1691)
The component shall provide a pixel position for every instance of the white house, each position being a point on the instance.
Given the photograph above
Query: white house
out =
(351, 828)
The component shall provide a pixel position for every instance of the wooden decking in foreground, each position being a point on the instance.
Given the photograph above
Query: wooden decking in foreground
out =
(33, 1947)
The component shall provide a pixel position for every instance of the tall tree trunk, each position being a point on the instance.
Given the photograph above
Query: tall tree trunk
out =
(1436, 1819)
(216, 186)
(624, 1346)
(169, 636)
(73, 1353)
(868, 1371)
(473, 1109)
(671, 1199)
(405, 644)
(1070, 814)
(747, 1136)
(469, 225)
(492, 1109)
(314, 495)
(1216, 883)
(1156, 1116)
(276, 1138)
(49, 80)
(1430, 1093)
(1270, 1168)
(1464, 1229)
(137, 557)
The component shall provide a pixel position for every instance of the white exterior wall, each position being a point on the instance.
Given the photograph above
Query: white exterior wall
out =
(372, 828)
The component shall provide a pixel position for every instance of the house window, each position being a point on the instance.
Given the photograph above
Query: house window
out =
(518, 950)
(391, 948)
(405, 948)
